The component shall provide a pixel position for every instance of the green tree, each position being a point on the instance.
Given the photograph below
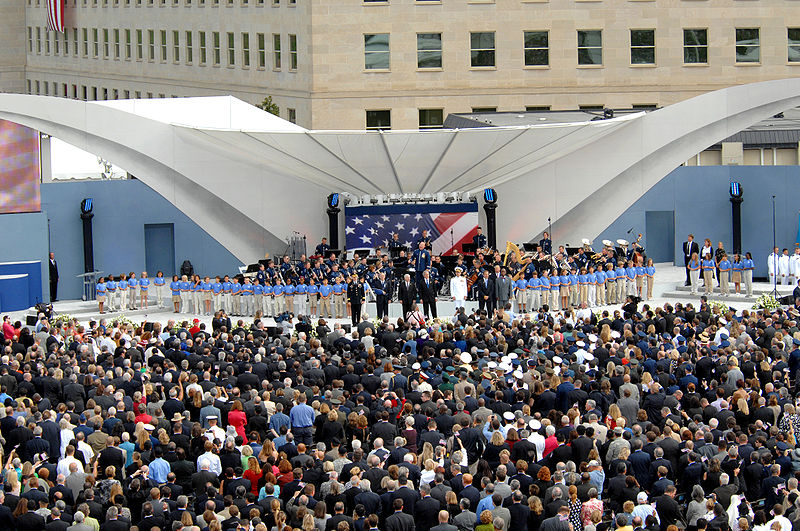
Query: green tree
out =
(269, 106)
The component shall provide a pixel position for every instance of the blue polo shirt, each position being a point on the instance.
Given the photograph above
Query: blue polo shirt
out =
(175, 286)
(144, 284)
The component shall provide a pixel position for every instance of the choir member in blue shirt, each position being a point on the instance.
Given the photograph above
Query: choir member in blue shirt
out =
(160, 284)
(100, 292)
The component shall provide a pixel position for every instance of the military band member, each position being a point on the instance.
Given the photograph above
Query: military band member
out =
(425, 239)
(421, 260)
(479, 240)
(160, 286)
(323, 248)
(546, 244)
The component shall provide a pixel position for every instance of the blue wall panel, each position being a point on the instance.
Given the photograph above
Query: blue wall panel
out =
(24, 239)
(121, 209)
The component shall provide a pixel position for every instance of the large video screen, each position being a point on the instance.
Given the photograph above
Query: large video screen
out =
(19, 169)
(449, 225)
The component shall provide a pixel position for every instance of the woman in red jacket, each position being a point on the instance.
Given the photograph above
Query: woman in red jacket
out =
(238, 419)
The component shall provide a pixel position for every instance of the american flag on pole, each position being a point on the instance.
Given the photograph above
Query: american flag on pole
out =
(449, 225)
(55, 15)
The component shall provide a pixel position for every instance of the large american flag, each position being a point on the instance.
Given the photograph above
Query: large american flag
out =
(55, 15)
(373, 226)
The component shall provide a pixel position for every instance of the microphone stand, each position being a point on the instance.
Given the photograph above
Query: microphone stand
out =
(550, 233)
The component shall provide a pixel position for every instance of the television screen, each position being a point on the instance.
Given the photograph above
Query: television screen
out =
(19, 169)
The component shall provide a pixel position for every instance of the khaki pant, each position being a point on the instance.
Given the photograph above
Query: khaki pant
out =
(611, 292)
(278, 305)
(601, 294)
(534, 299)
(694, 277)
(621, 285)
(723, 283)
(236, 301)
(584, 294)
(639, 286)
(266, 305)
(573, 294)
(650, 282)
(708, 277)
(748, 281)
(554, 302)
(324, 307)
(339, 305)
(592, 294)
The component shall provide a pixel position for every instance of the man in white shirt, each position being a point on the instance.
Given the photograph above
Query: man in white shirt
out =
(214, 431)
(536, 438)
(785, 523)
(783, 267)
(458, 289)
(794, 266)
(63, 467)
(772, 264)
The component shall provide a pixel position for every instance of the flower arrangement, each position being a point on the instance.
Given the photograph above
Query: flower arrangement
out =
(766, 302)
(718, 305)
(122, 320)
(61, 320)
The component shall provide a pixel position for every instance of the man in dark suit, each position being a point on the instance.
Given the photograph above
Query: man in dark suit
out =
(667, 508)
(407, 293)
(399, 521)
(56, 523)
(53, 277)
(113, 523)
(338, 516)
(485, 290)
(689, 248)
(405, 491)
(426, 510)
(443, 517)
(427, 291)
(383, 294)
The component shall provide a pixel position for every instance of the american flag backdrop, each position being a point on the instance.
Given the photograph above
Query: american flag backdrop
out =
(373, 226)
(55, 15)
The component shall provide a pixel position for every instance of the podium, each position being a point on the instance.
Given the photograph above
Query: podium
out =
(89, 284)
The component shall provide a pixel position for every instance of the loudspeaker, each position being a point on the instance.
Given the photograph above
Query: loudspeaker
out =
(30, 320)
(148, 327)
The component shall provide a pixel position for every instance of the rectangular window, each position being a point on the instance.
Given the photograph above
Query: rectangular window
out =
(246, 50)
(56, 44)
(590, 47)
(481, 49)
(202, 36)
(127, 45)
(376, 51)
(38, 41)
(46, 42)
(537, 48)
(106, 52)
(75, 42)
(95, 42)
(231, 49)
(30, 40)
(189, 51)
(291, 115)
(793, 35)
(139, 45)
(484, 109)
(536, 108)
(116, 44)
(748, 46)
(276, 3)
(695, 46)
(429, 50)
(379, 120)
(215, 39)
(85, 32)
(276, 51)
(151, 45)
(262, 50)
(163, 46)
(46, 88)
(176, 46)
(431, 118)
(66, 42)
(292, 52)
(643, 47)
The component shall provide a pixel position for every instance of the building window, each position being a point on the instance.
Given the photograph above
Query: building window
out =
(151, 34)
(481, 49)
(484, 109)
(176, 46)
(95, 42)
(46, 88)
(246, 50)
(66, 42)
(127, 45)
(56, 47)
(139, 45)
(202, 36)
(215, 42)
(429, 50)
(163, 46)
(262, 50)
(376, 51)
(695, 46)
(537, 48)
(276, 51)
(536, 108)
(643, 47)
(292, 52)
(106, 53)
(189, 51)
(794, 45)
(116, 44)
(748, 48)
(85, 32)
(231, 49)
(38, 40)
(591, 107)
(75, 42)
(291, 115)
(431, 118)
(30, 40)
(46, 42)
(590, 47)
(379, 120)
